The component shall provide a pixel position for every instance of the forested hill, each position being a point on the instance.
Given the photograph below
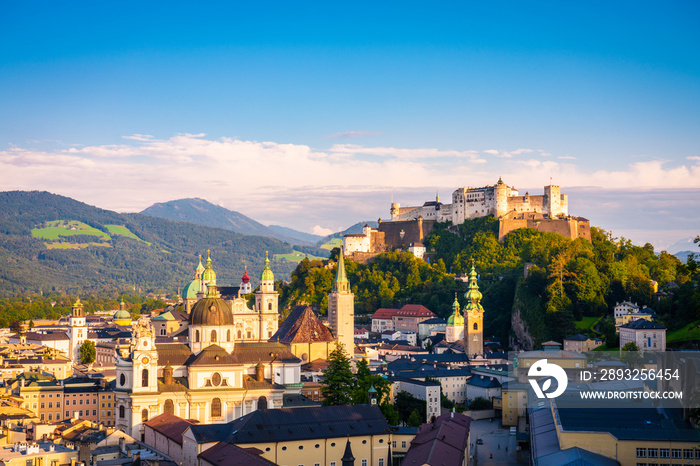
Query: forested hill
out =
(53, 243)
(567, 281)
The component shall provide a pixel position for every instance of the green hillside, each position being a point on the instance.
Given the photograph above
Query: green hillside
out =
(54, 243)
(571, 285)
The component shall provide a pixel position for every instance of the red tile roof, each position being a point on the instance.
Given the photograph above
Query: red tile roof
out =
(408, 310)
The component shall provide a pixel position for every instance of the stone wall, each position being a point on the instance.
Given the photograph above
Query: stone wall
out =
(415, 231)
(571, 227)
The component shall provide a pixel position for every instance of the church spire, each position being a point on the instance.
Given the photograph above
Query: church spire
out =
(341, 280)
(348, 459)
(267, 274)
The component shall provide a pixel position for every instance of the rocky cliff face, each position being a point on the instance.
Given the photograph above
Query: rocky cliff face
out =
(522, 338)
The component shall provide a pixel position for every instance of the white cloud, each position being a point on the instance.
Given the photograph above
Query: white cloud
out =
(319, 230)
(139, 137)
(295, 184)
(566, 157)
(491, 152)
(693, 157)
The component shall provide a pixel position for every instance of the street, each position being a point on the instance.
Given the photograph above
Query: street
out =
(493, 435)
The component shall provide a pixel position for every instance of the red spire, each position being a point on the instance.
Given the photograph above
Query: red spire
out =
(245, 278)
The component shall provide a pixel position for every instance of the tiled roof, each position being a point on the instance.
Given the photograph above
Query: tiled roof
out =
(408, 310)
(213, 355)
(227, 454)
(170, 426)
(174, 353)
(642, 324)
(484, 382)
(288, 424)
(264, 352)
(302, 326)
(442, 442)
(577, 337)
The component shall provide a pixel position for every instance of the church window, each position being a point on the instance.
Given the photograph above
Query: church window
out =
(269, 334)
(122, 380)
(476, 326)
(169, 407)
(269, 306)
(213, 335)
(228, 335)
(216, 379)
(144, 378)
(144, 415)
(249, 334)
(262, 402)
(196, 336)
(216, 407)
(239, 334)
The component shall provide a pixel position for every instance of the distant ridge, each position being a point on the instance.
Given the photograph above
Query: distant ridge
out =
(160, 257)
(307, 238)
(353, 230)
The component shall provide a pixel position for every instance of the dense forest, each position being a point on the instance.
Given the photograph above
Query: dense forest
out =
(162, 261)
(566, 280)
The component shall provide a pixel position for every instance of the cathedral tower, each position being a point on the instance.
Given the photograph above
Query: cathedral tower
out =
(266, 303)
(474, 314)
(341, 309)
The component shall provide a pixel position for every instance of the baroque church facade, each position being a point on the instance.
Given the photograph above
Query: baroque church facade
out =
(227, 368)
(236, 360)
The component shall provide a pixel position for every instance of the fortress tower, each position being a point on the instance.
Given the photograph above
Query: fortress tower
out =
(501, 195)
(474, 313)
(341, 309)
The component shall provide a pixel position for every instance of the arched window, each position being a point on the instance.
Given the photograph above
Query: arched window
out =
(144, 415)
(121, 412)
(169, 407)
(228, 335)
(144, 378)
(216, 407)
(476, 326)
(239, 334)
(262, 402)
(213, 335)
(122, 380)
(269, 306)
(196, 336)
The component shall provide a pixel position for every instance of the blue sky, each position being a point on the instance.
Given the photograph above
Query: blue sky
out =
(313, 115)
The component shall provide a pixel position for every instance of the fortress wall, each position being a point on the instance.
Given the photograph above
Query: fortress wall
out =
(356, 243)
(572, 227)
(415, 231)
(378, 244)
(526, 204)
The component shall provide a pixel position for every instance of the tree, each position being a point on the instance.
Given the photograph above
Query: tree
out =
(337, 384)
(480, 403)
(364, 379)
(630, 354)
(87, 352)
(414, 420)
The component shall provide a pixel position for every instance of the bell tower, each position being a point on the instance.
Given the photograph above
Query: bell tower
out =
(144, 358)
(77, 332)
(266, 299)
(341, 309)
(474, 318)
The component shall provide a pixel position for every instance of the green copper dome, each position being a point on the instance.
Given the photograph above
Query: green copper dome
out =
(473, 295)
(209, 276)
(191, 289)
(267, 274)
(121, 315)
(456, 318)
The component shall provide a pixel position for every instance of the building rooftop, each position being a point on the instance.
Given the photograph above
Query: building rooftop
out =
(442, 442)
(642, 324)
(170, 426)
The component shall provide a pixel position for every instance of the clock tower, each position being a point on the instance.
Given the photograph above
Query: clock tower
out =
(474, 318)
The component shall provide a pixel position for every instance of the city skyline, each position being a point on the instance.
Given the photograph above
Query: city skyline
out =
(318, 116)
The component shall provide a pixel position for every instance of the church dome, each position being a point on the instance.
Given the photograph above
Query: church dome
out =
(122, 317)
(191, 289)
(208, 275)
(211, 311)
(267, 274)
(455, 320)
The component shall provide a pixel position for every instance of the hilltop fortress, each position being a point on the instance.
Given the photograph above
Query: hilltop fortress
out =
(410, 225)
(499, 200)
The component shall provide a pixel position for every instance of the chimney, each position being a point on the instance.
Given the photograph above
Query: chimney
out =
(122, 446)
(260, 372)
